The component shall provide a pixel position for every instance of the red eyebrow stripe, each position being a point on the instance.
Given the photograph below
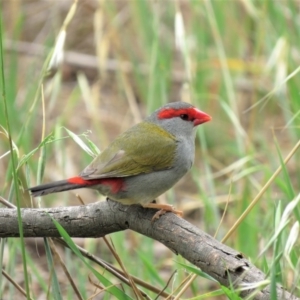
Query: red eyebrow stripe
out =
(171, 113)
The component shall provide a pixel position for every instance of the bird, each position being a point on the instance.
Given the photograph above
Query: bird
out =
(143, 162)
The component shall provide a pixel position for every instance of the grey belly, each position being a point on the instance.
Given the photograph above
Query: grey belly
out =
(144, 188)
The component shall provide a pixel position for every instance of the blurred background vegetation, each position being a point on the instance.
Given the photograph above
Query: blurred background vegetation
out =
(236, 60)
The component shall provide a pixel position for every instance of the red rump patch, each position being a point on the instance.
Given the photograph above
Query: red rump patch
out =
(192, 114)
(115, 184)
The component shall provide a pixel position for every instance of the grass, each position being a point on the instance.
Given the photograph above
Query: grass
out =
(236, 60)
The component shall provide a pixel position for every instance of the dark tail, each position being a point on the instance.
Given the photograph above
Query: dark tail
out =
(58, 186)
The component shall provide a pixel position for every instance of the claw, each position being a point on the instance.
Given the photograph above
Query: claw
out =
(163, 208)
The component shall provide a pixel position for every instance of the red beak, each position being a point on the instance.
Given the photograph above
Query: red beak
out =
(200, 117)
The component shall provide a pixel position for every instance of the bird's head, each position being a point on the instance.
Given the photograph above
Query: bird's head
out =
(179, 117)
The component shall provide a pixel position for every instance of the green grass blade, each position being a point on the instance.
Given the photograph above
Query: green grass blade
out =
(197, 271)
(56, 292)
(13, 164)
(111, 288)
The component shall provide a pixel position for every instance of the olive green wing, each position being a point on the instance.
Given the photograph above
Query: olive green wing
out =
(142, 149)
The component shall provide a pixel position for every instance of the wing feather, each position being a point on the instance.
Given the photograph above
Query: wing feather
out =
(142, 149)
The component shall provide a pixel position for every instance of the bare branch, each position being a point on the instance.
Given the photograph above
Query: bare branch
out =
(98, 219)
(81, 60)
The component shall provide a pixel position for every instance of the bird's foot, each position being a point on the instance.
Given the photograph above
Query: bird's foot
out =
(158, 214)
(163, 208)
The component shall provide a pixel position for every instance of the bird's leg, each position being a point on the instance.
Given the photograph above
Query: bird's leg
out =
(163, 208)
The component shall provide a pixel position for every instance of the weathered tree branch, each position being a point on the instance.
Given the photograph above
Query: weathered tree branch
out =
(98, 219)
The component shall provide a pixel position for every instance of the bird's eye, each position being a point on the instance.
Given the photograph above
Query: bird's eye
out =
(184, 117)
